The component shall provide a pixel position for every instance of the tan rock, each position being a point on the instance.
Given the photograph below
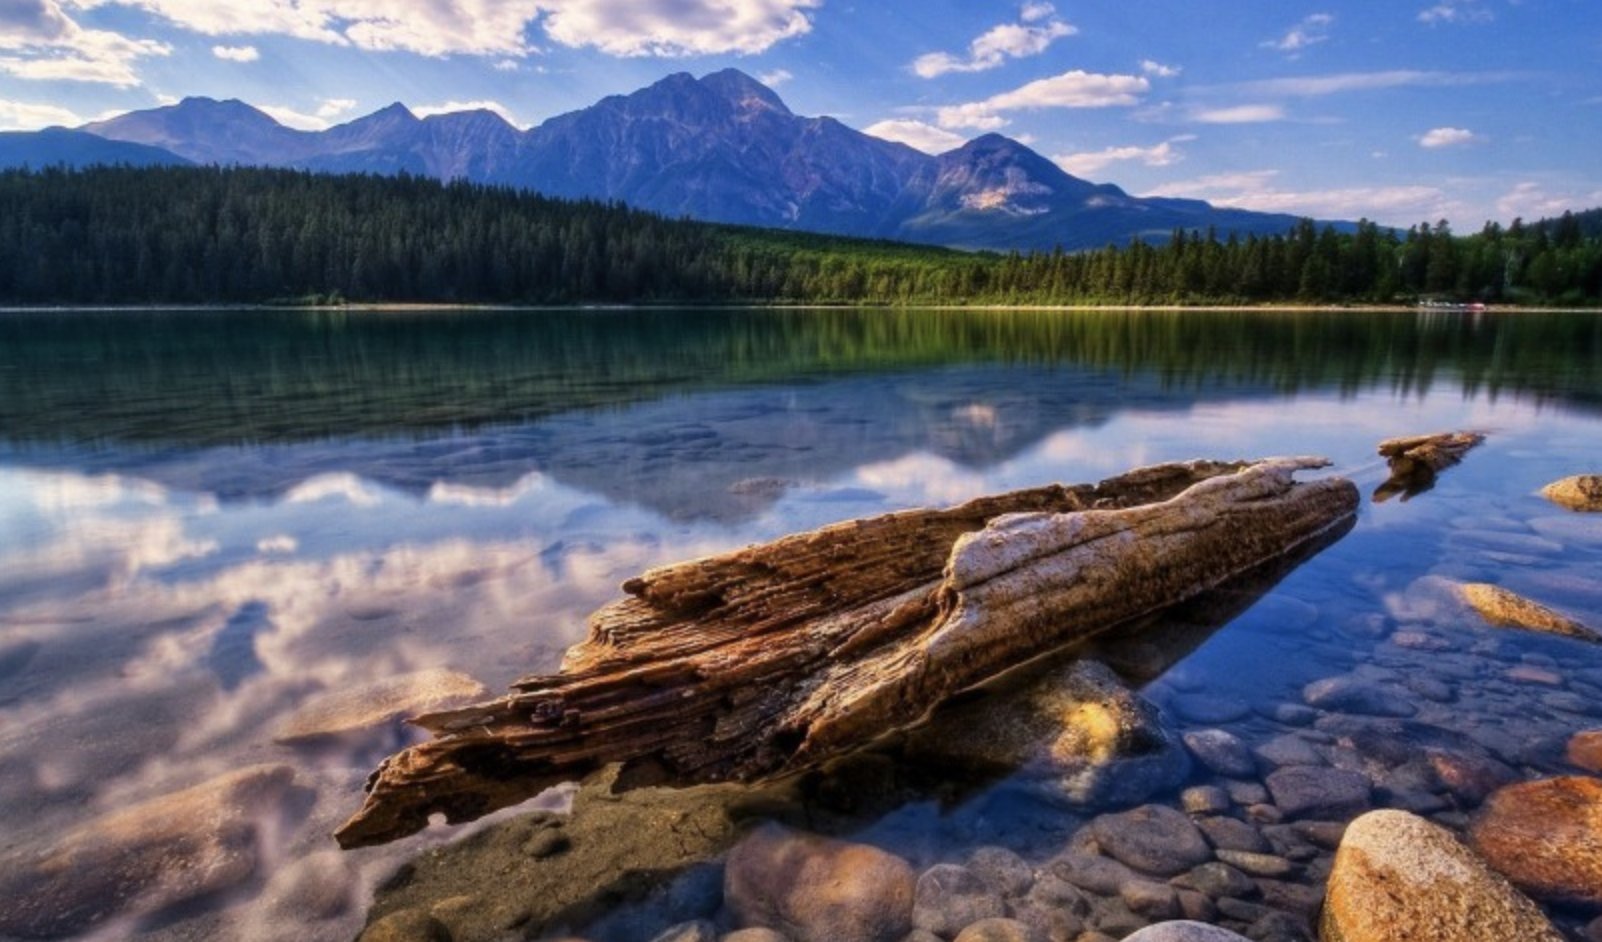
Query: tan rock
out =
(1509, 610)
(1582, 492)
(1546, 837)
(1397, 876)
(144, 857)
(1585, 750)
(349, 709)
(816, 889)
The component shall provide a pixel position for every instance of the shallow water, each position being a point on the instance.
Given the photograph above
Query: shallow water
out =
(207, 520)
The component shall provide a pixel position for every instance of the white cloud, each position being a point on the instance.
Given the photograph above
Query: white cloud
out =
(1531, 200)
(1240, 114)
(39, 41)
(1446, 137)
(1034, 12)
(1076, 89)
(998, 44)
(497, 27)
(318, 120)
(29, 116)
(507, 65)
(775, 78)
(1158, 155)
(1256, 190)
(236, 53)
(1310, 31)
(1313, 86)
(677, 27)
(1456, 11)
(916, 134)
(1154, 68)
(451, 107)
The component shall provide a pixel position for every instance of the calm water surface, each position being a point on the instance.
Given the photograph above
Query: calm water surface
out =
(210, 520)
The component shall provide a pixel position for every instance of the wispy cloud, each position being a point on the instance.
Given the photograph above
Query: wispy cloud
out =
(1085, 163)
(775, 78)
(236, 53)
(30, 116)
(1446, 137)
(1456, 11)
(1157, 70)
(916, 134)
(1259, 190)
(1532, 200)
(315, 120)
(1239, 114)
(1075, 89)
(1313, 86)
(1310, 31)
(451, 107)
(1038, 30)
(501, 28)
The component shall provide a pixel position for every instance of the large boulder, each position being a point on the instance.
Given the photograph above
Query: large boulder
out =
(1546, 837)
(1582, 492)
(1076, 735)
(1585, 750)
(1397, 876)
(816, 889)
(146, 856)
(1506, 609)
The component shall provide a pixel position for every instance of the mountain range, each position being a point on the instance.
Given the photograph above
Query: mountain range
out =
(722, 148)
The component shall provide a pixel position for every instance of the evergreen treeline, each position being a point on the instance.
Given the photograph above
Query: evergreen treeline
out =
(241, 235)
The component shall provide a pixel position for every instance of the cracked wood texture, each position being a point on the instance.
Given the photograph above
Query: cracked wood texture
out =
(776, 657)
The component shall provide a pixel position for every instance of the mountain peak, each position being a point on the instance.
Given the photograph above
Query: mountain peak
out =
(741, 89)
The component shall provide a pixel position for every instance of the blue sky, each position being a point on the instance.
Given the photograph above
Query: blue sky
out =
(1400, 111)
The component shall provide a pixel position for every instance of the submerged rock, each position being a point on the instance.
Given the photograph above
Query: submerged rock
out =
(1508, 610)
(1221, 751)
(1077, 735)
(1585, 750)
(1184, 931)
(1416, 461)
(1546, 837)
(1153, 839)
(1318, 792)
(1397, 876)
(1583, 492)
(145, 857)
(1348, 694)
(373, 704)
(817, 889)
(949, 897)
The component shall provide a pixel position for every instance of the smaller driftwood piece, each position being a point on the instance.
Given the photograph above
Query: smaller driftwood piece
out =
(1415, 461)
(774, 658)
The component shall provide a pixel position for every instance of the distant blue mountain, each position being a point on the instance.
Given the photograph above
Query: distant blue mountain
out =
(722, 148)
(59, 147)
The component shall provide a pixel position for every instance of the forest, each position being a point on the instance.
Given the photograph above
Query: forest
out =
(120, 235)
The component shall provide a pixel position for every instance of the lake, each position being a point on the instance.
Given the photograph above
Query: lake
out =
(211, 521)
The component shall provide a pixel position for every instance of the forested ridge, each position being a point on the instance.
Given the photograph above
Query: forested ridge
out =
(119, 235)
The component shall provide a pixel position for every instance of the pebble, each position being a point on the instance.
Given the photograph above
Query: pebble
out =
(1246, 793)
(1530, 674)
(1216, 880)
(1288, 750)
(1585, 750)
(1350, 694)
(1153, 839)
(1294, 714)
(997, 930)
(1002, 870)
(698, 930)
(1094, 873)
(1185, 931)
(756, 934)
(1220, 751)
(949, 897)
(1209, 708)
(1311, 791)
(1204, 799)
(1150, 899)
(408, 925)
(1232, 834)
(1259, 865)
(822, 890)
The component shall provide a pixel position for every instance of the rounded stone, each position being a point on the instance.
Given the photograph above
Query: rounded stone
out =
(1314, 791)
(698, 930)
(816, 889)
(757, 934)
(1397, 876)
(949, 897)
(1204, 799)
(1505, 609)
(408, 925)
(1153, 839)
(1546, 836)
(1002, 870)
(1348, 694)
(997, 930)
(1184, 931)
(1220, 751)
(1585, 750)
(1582, 492)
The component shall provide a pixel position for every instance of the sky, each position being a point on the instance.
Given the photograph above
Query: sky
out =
(1400, 111)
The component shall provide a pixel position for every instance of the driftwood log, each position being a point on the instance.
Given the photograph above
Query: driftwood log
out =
(774, 658)
(1415, 461)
